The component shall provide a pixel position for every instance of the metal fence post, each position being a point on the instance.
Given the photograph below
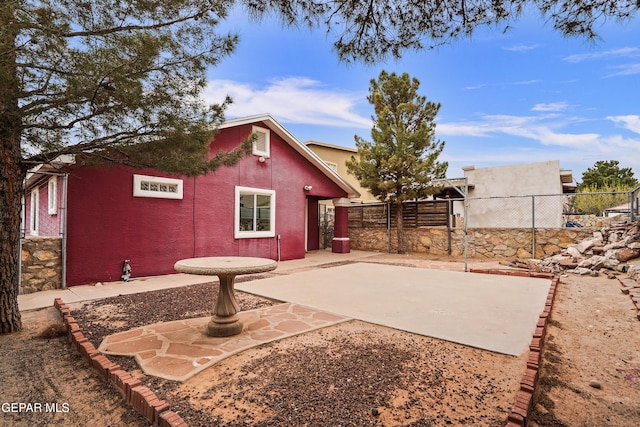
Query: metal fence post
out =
(533, 227)
(388, 206)
(633, 203)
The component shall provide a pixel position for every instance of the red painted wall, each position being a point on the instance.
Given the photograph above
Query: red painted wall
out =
(107, 225)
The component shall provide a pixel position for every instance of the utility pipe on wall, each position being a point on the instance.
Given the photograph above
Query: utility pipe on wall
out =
(65, 183)
(278, 248)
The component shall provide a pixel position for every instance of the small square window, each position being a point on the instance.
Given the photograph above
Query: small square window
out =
(261, 145)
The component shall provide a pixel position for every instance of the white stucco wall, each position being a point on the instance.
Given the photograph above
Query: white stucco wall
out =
(495, 184)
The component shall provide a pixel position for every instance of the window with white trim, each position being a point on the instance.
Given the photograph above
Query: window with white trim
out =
(262, 144)
(332, 166)
(34, 217)
(255, 213)
(157, 187)
(52, 195)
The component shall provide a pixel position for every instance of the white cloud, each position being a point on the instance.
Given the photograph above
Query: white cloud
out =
(293, 100)
(628, 52)
(624, 70)
(502, 84)
(550, 107)
(541, 130)
(531, 139)
(514, 140)
(522, 47)
(622, 145)
(631, 122)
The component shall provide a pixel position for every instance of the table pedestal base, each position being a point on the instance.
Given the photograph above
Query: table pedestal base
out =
(225, 322)
(224, 326)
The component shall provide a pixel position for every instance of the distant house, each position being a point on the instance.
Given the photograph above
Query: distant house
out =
(614, 211)
(496, 195)
(335, 157)
(265, 206)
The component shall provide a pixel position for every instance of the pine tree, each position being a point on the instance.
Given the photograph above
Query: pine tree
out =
(401, 161)
(108, 80)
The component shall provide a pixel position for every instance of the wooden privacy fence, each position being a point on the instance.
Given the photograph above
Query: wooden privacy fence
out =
(415, 214)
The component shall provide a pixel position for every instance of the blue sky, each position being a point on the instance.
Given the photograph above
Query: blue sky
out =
(522, 96)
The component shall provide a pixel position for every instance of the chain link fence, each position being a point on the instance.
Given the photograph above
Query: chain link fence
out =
(549, 210)
(634, 204)
(500, 226)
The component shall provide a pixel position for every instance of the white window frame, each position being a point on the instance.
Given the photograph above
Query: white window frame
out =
(139, 180)
(52, 195)
(34, 214)
(238, 234)
(267, 142)
(332, 166)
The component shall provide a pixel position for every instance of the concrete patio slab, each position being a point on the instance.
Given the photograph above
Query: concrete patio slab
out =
(492, 312)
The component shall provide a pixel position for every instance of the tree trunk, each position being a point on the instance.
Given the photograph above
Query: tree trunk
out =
(12, 173)
(11, 179)
(402, 245)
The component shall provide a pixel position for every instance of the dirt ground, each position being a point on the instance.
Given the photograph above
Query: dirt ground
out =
(591, 371)
(351, 374)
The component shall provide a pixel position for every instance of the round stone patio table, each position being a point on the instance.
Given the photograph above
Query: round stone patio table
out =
(225, 321)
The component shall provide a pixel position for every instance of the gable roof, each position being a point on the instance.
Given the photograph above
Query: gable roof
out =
(38, 172)
(298, 146)
(331, 146)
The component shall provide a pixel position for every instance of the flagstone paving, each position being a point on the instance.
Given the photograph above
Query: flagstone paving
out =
(178, 350)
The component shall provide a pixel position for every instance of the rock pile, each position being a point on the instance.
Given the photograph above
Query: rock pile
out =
(611, 251)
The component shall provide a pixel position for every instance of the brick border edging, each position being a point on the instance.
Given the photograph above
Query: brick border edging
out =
(140, 397)
(157, 411)
(524, 397)
(632, 288)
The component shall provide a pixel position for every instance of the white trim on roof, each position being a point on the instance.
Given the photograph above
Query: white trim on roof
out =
(296, 145)
(327, 145)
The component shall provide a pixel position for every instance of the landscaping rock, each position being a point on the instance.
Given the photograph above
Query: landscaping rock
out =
(595, 384)
(625, 254)
(585, 245)
(575, 253)
(610, 251)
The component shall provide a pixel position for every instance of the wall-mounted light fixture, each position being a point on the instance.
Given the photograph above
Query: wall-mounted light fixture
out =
(307, 188)
(261, 159)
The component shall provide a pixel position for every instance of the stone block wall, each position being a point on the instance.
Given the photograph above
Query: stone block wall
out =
(41, 264)
(482, 242)
(596, 221)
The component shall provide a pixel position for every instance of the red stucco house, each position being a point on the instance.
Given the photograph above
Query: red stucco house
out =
(265, 206)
